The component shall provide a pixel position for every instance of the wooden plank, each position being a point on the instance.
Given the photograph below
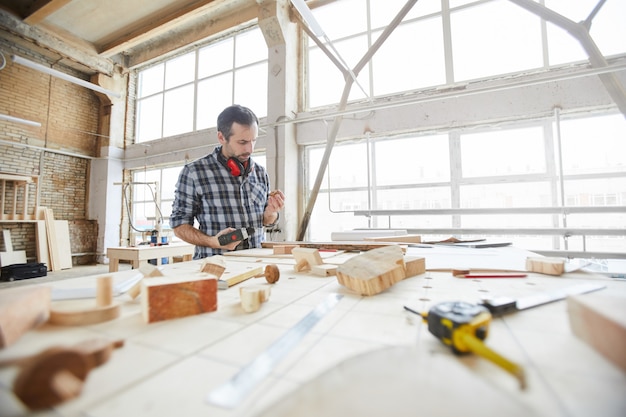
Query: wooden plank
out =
(360, 246)
(53, 254)
(41, 239)
(22, 309)
(374, 271)
(62, 230)
(546, 265)
(396, 239)
(600, 321)
(10, 257)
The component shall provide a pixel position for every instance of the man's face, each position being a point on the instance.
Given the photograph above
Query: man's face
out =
(241, 143)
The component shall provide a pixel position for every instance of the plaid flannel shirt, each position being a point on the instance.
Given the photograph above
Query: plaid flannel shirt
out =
(207, 192)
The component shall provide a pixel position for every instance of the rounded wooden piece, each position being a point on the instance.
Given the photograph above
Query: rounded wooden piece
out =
(52, 377)
(272, 273)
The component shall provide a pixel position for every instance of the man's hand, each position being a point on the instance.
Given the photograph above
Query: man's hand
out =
(275, 203)
(230, 246)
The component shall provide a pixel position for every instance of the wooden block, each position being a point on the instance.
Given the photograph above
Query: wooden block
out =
(374, 271)
(306, 258)
(165, 298)
(324, 270)
(22, 309)
(283, 249)
(414, 266)
(599, 319)
(253, 296)
(148, 271)
(215, 265)
(10, 258)
(397, 239)
(546, 265)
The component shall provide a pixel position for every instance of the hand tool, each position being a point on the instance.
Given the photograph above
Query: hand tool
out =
(463, 326)
(235, 235)
(466, 273)
(233, 392)
(499, 306)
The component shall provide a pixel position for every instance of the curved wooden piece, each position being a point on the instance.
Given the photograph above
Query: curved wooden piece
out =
(84, 317)
(272, 273)
(52, 377)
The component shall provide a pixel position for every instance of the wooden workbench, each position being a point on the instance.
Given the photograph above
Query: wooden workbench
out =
(137, 254)
(367, 357)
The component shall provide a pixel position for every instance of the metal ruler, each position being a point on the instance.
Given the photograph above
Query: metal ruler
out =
(233, 392)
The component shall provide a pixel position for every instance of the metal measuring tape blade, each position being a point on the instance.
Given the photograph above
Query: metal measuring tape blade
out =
(233, 392)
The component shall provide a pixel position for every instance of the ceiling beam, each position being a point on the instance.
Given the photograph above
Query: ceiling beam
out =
(42, 9)
(156, 27)
(43, 38)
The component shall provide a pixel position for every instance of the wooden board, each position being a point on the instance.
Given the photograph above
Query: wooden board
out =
(546, 265)
(360, 246)
(10, 257)
(22, 309)
(41, 239)
(600, 320)
(54, 254)
(167, 297)
(374, 271)
(62, 230)
(397, 239)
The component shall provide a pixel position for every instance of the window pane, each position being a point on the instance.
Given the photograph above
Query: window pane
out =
(178, 111)
(494, 38)
(598, 193)
(400, 63)
(594, 145)
(326, 82)
(251, 88)
(412, 160)
(215, 58)
(214, 95)
(327, 222)
(382, 12)
(347, 166)
(342, 18)
(250, 47)
(531, 194)
(169, 179)
(413, 199)
(150, 81)
(149, 118)
(507, 152)
(180, 70)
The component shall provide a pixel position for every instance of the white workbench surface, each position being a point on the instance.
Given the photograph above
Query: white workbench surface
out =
(168, 368)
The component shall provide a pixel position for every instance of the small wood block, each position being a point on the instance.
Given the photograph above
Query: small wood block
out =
(373, 271)
(22, 309)
(227, 280)
(397, 239)
(283, 249)
(324, 270)
(546, 265)
(165, 298)
(253, 296)
(600, 321)
(306, 258)
(215, 265)
(414, 265)
(148, 271)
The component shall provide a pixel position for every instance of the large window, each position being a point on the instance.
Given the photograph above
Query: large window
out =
(186, 93)
(516, 167)
(483, 39)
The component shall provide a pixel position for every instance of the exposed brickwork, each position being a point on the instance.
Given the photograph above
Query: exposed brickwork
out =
(69, 115)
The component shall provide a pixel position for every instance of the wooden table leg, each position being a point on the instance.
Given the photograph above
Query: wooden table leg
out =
(114, 264)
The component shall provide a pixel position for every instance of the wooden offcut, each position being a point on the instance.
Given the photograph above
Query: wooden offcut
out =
(215, 265)
(414, 266)
(306, 258)
(22, 309)
(252, 296)
(283, 249)
(232, 276)
(600, 321)
(9, 256)
(374, 271)
(545, 265)
(166, 297)
(396, 239)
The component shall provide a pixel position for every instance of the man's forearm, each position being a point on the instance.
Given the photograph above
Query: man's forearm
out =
(190, 234)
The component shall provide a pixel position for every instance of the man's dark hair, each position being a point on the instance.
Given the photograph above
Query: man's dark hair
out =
(235, 114)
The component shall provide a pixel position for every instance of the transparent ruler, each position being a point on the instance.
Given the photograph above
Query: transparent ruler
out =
(233, 392)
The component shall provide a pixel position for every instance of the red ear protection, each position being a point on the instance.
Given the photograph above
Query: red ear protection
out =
(236, 167)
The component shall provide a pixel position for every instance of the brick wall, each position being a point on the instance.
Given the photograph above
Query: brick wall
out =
(58, 152)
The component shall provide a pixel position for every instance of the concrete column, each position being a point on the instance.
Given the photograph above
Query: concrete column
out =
(281, 37)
